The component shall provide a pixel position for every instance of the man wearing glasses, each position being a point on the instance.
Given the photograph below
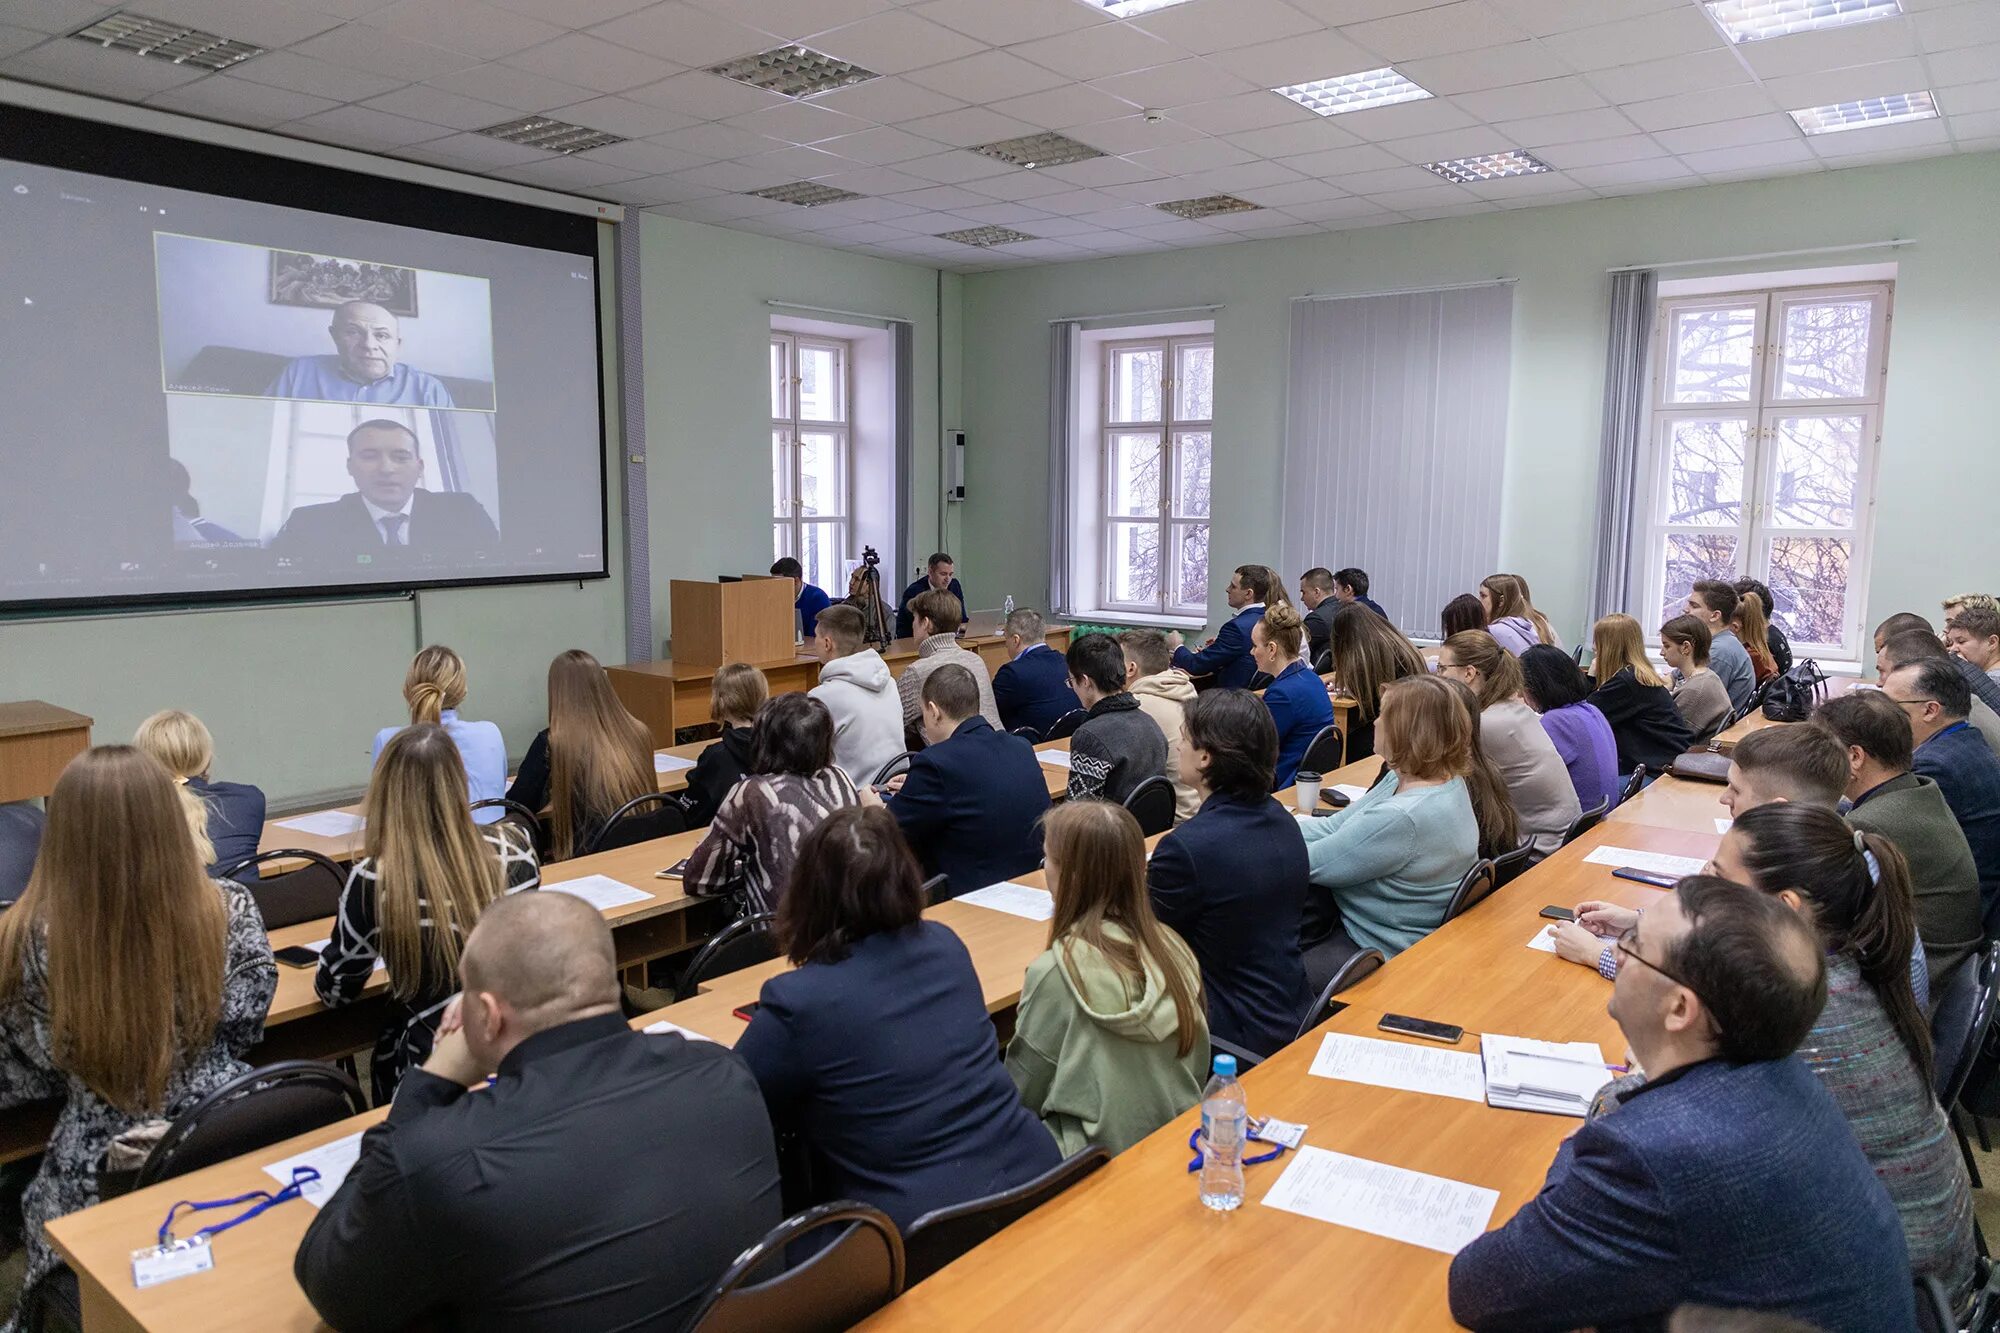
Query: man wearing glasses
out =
(1950, 753)
(1724, 1175)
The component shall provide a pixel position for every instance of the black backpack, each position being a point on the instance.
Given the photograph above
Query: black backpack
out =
(1793, 696)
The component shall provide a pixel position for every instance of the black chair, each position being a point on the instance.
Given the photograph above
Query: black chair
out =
(1360, 965)
(1152, 804)
(1325, 752)
(308, 893)
(1576, 654)
(1323, 663)
(1967, 1055)
(1633, 785)
(1246, 1059)
(1029, 734)
(1954, 1039)
(744, 942)
(1587, 821)
(1508, 867)
(1472, 890)
(1933, 1307)
(1260, 680)
(253, 1111)
(893, 769)
(853, 1276)
(936, 889)
(943, 1234)
(632, 823)
(1065, 726)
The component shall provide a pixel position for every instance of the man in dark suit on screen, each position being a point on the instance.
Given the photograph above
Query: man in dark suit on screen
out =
(389, 514)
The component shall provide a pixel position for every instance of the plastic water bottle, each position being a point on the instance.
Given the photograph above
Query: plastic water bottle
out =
(1007, 606)
(1225, 1119)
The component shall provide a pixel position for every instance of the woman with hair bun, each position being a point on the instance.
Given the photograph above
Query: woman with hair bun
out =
(434, 688)
(1298, 700)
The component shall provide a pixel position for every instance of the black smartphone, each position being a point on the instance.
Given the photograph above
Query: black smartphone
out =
(296, 955)
(1555, 913)
(1645, 877)
(1339, 800)
(1404, 1025)
(744, 1011)
(674, 871)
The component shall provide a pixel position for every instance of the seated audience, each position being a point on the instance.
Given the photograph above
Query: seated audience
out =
(1953, 605)
(1117, 746)
(1032, 689)
(1110, 1041)
(1299, 704)
(226, 818)
(1555, 687)
(789, 787)
(1369, 655)
(1316, 595)
(478, 1211)
(857, 689)
(434, 688)
(1698, 692)
(1226, 657)
(938, 577)
(1724, 1174)
(1949, 752)
(937, 645)
(21, 824)
(1713, 603)
(1775, 642)
(808, 600)
(131, 984)
(591, 759)
(1499, 828)
(1164, 695)
(1350, 585)
(877, 1048)
(1784, 764)
(972, 802)
(1908, 646)
(1506, 610)
(425, 873)
(1752, 630)
(1543, 630)
(1537, 781)
(1232, 880)
(1892, 802)
(736, 695)
(1383, 869)
(1973, 635)
(1634, 700)
(1462, 613)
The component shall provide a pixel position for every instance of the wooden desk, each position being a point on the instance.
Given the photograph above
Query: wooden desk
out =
(340, 850)
(1835, 687)
(1675, 803)
(37, 741)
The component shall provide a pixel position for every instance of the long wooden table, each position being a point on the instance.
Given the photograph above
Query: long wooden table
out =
(1675, 803)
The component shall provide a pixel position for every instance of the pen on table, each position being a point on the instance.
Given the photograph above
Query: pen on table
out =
(1619, 1069)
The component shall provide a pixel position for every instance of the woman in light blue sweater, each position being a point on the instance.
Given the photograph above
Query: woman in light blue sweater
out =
(1383, 870)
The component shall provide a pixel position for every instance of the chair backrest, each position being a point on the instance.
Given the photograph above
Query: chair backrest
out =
(744, 942)
(940, 1236)
(895, 767)
(1633, 785)
(1965, 1013)
(1259, 680)
(1587, 821)
(1576, 654)
(1028, 734)
(1358, 965)
(1152, 804)
(252, 1111)
(1508, 866)
(1065, 726)
(1325, 752)
(1933, 1306)
(633, 822)
(936, 889)
(1323, 663)
(1472, 890)
(305, 894)
(854, 1275)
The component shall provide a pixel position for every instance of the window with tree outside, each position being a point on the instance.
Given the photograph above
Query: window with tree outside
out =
(1767, 415)
(810, 454)
(1157, 429)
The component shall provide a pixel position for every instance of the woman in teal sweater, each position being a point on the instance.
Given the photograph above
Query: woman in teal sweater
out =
(1383, 869)
(1110, 1041)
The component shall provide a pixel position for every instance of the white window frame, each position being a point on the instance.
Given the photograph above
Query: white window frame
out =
(1761, 411)
(789, 520)
(1173, 519)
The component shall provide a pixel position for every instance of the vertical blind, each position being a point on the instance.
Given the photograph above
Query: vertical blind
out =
(1062, 439)
(1394, 442)
(1621, 450)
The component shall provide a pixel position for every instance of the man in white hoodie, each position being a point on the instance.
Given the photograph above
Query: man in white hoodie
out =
(1163, 694)
(856, 687)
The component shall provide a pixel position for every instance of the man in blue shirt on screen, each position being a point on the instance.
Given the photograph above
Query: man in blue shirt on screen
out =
(364, 368)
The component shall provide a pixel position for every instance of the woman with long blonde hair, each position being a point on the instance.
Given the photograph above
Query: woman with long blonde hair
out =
(1644, 719)
(425, 874)
(226, 819)
(433, 688)
(593, 757)
(1110, 1041)
(1369, 655)
(130, 983)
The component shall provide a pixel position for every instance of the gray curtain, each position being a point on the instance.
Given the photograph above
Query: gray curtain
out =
(1062, 438)
(640, 646)
(1622, 450)
(904, 335)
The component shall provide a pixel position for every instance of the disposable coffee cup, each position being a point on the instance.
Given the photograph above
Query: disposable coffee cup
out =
(1305, 792)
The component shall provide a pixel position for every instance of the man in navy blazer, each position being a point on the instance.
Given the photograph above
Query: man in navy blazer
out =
(1032, 689)
(1950, 753)
(939, 578)
(1723, 1176)
(1226, 657)
(389, 516)
(972, 802)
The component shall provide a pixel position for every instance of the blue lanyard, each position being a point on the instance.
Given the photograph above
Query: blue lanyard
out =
(262, 1199)
(1194, 1142)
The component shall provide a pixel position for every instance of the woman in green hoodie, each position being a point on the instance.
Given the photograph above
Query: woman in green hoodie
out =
(1110, 1041)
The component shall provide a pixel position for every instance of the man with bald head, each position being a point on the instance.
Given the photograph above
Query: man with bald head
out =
(365, 367)
(604, 1180)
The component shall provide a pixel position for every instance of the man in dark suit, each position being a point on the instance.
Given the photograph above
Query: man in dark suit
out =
(1316, 596)
(1032, 689)
(1950, 753)
(1723, 1176)
(972, 802)
(1351, 585)
(483, 1209)
(388, 516)
(938, 578)
(1225, 659)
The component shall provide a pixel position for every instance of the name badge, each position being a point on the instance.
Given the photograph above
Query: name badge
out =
(1281, 1131)
(164, 1263)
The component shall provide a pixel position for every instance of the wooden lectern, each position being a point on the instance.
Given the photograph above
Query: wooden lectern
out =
(747, 621)
(36, 741)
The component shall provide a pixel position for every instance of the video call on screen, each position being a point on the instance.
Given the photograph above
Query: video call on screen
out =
(211, 395)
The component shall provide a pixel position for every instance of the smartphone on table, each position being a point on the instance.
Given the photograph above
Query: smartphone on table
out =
(1423, 1028)
(1554, 913)
(296, 955)
(1645, 877)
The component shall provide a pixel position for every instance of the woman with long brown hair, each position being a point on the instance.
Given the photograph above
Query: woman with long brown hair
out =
(1510, 732)
(1369, 655)
(1110, 1040)
(131, 984)
(1543, 629)
(433, 688)
(593, 757)
(1753, 627)
(425, 873)
(1507, 618)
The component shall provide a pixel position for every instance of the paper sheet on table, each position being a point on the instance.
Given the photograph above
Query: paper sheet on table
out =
(1054, 758)
(670, 763)
(664, 1026)
(1383, 1200)
(1350, 791)
(326, 823)
(1722, 825)
(1545, 940)
(1558, 1077)
(1658, 862)
(332, 1160)
(1014, 899)
(1400, 1065)
(600, 891)
(319, 946)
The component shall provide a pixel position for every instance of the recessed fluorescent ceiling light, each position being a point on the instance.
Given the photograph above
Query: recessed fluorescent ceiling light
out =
(986, 236)
(1754, 20)
(553, 136)
(1487, 167)
(1208, 206)
(1039, 150)
(1353, 92)
(795, 71)
(1125, 9)
(166, 40)
(1894, 109)
(806, 194)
